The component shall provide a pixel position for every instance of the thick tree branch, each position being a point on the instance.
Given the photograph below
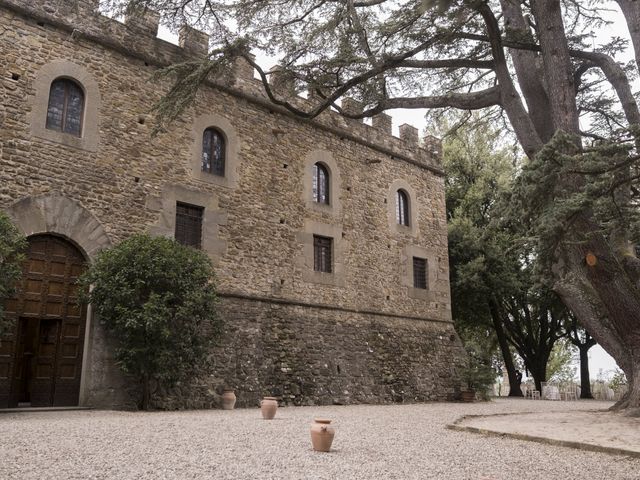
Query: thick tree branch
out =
(530, 77)
(510, 98)
(449, 63)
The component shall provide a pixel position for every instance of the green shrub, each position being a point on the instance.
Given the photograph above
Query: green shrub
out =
(12, 247)
(477, 374)
(157, 299)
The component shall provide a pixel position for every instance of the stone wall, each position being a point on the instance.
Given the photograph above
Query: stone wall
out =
(317, 356)
(259, 219)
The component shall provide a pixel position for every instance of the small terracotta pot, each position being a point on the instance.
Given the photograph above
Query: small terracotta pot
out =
(268, 407)
(228, 399)
(468, 396)
(322, 435)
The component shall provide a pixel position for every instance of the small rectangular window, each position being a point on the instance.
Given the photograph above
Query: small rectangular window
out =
(189, 224)
(419, 273)
(322, 247)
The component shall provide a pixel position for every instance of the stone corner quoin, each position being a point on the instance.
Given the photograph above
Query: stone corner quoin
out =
(359, 333)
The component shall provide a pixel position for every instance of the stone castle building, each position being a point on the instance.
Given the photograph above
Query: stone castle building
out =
(328, 236)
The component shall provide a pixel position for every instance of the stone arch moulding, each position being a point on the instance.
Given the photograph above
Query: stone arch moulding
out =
(89, 138)
(57, 214)
(232, 162)
(325, 158)
(392, 205)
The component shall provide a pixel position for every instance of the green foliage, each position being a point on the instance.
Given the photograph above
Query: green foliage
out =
(605, 172)
(560, 367)
(12, 247)
(618, 380)
(188, 77)
(158, 301)
(484, 262)
(477, 374)
(491, 264)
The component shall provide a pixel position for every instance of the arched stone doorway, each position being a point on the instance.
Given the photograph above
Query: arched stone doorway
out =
(41, 360)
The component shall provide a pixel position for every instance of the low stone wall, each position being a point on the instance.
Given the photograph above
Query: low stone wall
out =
(316, 356)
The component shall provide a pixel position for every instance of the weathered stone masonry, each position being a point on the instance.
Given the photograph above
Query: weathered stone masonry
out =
(359, 334)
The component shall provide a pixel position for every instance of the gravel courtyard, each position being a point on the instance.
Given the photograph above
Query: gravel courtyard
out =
(388, 442)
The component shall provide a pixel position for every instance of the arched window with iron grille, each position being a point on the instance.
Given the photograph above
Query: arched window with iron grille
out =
(320, 183)
(66, 107)
(402, 208)
(213, 152)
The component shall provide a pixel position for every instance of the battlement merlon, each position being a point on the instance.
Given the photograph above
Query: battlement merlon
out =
(137, 38)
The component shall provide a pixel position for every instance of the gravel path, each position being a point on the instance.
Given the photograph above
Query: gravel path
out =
(388, 442)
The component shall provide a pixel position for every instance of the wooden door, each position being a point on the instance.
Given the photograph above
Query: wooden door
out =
(43, 355)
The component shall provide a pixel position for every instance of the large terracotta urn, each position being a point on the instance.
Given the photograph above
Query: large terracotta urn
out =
(228, 399)
(322, 435)
(268, 407)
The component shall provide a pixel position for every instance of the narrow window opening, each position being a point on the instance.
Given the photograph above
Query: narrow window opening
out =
(320, 184)
(66, 107)
(213, 152)
(402, 208)
(322, 253)
(419, 273)
(189, 224)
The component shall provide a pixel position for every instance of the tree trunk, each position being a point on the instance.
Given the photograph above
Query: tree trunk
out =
(514, 385)
(539, 372)
(146, 392)
(605, 301)
(585, 381)
(558, 67)
(528, 71)
(631, 11)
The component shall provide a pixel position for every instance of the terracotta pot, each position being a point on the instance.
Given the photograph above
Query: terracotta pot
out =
(268, 406)
(228, 399)
(468, 396)
(322, 435)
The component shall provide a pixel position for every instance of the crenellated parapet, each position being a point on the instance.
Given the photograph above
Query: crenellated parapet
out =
(137, 37)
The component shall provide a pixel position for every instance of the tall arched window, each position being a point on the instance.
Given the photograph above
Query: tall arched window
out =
(320, 183)
(66, 107)
(402, 208)
(213, 152)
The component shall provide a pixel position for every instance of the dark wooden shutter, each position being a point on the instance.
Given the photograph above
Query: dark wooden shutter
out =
(419, 273)
(322, 247)
(189, 224)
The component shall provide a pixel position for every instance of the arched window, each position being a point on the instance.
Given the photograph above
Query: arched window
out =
(402, 208)
(66, 107)
(213, 152)
(320, 183)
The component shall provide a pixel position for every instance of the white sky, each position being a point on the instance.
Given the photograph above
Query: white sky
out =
(599, 360)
